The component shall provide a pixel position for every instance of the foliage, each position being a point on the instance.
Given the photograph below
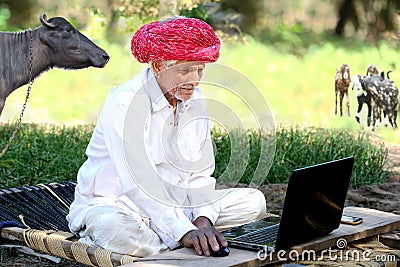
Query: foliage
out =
(370, 18)
(298, 147)
(17, 14)
(296, 39)
(197, 11)
(239, 157)
(42, 153)
(141, 9)
(253, 11)
(4, 16)
(50, 153)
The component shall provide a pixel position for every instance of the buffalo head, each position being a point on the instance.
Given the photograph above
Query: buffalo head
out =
(67, 48)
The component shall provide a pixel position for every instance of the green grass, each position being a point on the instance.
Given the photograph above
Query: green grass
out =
(299, 87)
(44, 153)
(298, 147)
(293, 71)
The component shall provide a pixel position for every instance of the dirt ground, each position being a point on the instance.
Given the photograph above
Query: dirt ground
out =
(385, 197)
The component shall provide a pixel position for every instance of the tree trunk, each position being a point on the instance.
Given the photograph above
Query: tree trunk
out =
(346, 11)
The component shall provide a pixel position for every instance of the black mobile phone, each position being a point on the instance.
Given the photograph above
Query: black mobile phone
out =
(351, 219)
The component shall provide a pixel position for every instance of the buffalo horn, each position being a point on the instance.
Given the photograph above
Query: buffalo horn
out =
(43, 20)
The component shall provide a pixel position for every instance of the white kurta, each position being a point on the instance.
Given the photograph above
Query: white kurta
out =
(178, 160)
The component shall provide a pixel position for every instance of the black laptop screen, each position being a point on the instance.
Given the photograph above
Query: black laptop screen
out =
(314, 202)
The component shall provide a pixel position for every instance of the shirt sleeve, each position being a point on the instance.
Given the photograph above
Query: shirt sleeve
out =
(125, 133)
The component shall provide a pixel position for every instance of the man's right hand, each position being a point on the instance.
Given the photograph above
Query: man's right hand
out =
(201, 238)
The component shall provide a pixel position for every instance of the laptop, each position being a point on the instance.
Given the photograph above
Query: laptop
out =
(312, 208)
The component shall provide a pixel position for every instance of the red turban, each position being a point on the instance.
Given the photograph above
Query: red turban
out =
(179, 38)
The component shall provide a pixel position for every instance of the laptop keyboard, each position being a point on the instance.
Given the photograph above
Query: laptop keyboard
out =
(261, 236)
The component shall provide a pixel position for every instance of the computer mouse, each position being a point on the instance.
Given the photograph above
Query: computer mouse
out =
(222, 252)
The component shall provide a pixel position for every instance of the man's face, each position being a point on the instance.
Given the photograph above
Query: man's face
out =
(181, 78)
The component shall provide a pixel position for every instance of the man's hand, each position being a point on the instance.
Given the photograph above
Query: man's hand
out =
(202, 222)
(201, 238)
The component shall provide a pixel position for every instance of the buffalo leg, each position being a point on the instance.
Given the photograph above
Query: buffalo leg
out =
(2, 102)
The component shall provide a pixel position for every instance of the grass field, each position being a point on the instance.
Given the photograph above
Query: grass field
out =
(286, 88)
(49, 153)
(298, 86)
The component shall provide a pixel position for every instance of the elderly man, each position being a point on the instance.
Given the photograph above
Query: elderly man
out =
(146, 185)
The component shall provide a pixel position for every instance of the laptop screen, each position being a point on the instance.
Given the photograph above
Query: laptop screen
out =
(314, 202)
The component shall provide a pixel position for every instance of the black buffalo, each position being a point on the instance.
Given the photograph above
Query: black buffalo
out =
(54, 44)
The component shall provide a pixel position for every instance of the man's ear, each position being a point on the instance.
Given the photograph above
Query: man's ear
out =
(157, 66)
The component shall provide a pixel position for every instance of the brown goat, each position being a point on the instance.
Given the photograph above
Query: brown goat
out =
(371, 70)
(342, 82)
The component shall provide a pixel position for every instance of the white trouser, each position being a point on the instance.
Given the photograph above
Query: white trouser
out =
(112, 228)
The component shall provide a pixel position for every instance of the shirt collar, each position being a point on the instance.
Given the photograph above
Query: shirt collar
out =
(157, 98)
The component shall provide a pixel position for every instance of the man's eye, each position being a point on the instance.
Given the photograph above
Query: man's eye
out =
(189, 70)
(184, 71)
